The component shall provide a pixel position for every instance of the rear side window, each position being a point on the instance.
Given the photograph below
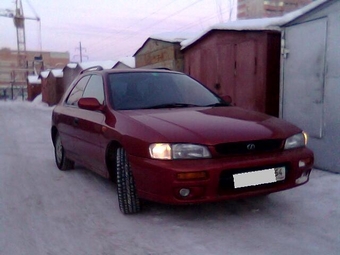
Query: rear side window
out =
(95, 88)
(77, 91)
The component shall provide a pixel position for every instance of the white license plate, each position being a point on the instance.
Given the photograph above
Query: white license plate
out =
(254, 178)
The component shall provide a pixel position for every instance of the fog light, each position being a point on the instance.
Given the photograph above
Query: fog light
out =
(302, 163)
(303, 178)
(184, 192)
(305, 162)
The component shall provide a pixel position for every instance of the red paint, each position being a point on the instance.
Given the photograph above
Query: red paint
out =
(242, 64)
(87, 135)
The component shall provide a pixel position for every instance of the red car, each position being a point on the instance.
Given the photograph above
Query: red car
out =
(163, 136)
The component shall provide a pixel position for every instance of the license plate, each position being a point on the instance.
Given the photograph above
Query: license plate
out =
(254, 178)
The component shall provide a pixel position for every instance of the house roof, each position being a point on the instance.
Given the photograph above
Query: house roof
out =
(34, 79)
(263, 24)
(107, 64)
(128, 61)
(172, 37)
(58, 73)
(72, 65)
(289, 17)
(169, 37)
(45, 73)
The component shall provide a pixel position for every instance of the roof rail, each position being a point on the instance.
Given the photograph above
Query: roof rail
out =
(162, 68)
(92, 68)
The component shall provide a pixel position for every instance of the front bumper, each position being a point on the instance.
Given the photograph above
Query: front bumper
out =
(157, 180)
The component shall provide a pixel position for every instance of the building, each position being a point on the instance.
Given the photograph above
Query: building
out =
(240, 59)
(310, 78)
(161, 51)
(35, 62)
(54, 82)
(13, 80)
(52, 87)
(33, 87)
(252, 9)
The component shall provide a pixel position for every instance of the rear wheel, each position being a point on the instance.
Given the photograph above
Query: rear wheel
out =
(129, 202)
(61, 160)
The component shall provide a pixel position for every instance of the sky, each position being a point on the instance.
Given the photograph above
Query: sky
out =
(109, 29)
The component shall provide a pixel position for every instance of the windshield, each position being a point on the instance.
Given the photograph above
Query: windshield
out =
(152, 90)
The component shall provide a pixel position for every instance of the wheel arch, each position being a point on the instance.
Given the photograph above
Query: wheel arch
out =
(54, 132)
(110, 158)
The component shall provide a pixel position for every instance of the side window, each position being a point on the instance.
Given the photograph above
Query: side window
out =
(95, 88)
(77, 91)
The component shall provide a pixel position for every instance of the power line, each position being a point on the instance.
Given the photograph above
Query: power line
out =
(228, 9)
(144, 18)
(160, 21)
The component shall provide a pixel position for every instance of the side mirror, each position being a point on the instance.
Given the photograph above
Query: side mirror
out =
(227, 98)
(90, 103)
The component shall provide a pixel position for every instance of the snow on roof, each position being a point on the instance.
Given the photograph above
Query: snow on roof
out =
(172, 37)
(72, 65)
(256, 24)
(239, 25)
(44, 74)
(33, 79)
(58, 73)
(108, 64)
(129, 61)
(298, 13)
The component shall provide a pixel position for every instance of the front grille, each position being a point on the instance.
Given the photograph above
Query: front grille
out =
(249, 147)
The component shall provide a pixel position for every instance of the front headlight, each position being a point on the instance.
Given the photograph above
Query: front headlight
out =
(178, 151)
(296, 141)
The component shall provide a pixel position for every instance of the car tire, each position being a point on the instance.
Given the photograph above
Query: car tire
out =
(61, 160)
(129, 202)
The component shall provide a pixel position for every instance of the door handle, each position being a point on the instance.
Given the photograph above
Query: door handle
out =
(75, 121)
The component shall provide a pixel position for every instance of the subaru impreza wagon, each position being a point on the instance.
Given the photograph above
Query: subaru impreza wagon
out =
(163, 136)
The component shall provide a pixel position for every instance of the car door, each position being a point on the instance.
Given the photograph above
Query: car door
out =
(67, 115)
(89, 128)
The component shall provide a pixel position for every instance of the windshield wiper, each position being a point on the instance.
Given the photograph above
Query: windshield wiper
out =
(218, 104)
(170, 105)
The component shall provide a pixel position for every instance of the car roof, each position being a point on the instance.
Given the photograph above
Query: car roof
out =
(98, 69)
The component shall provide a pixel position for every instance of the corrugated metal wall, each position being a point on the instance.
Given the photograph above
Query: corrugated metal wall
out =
(155, 54)
(244, 65)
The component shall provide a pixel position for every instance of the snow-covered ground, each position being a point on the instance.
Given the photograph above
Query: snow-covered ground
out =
(44, 211)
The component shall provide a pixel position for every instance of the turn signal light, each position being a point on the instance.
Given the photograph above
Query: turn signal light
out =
(305, 162)
(192, 175)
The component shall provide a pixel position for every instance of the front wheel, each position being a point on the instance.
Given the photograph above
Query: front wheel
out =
(129, 202)
(61, 160)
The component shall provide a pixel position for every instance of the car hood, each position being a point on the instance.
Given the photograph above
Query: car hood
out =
(211, 125)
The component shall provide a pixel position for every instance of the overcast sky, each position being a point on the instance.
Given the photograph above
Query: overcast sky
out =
(108, 29)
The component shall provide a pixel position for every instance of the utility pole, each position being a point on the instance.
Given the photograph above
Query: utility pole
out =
(81, 52)
(80, 48)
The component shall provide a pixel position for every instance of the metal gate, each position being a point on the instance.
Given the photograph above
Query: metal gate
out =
(306, 100)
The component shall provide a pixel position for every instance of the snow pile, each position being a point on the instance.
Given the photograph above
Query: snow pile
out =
(38, 101)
